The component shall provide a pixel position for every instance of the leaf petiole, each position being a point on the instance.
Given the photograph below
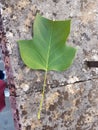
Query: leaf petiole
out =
(43, 95)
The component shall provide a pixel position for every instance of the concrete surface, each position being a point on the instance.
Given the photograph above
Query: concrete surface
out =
(71, 101)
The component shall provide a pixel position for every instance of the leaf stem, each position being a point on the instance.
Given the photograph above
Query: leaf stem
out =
(43, 94)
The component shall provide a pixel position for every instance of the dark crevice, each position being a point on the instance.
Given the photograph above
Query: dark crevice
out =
(54, 85)
(93, 64)
(81, 81)
(77, 82)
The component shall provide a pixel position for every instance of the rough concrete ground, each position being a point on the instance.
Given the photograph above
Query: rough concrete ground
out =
(71, 101)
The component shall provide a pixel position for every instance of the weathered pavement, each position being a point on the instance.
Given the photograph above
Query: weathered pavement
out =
(71, 101)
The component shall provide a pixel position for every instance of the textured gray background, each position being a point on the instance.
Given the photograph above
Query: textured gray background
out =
(71, 101)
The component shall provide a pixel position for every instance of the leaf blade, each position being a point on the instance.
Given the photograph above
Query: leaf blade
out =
(47, 50)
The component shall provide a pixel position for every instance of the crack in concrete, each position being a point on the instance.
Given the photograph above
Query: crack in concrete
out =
(77, 82)
(81, 81)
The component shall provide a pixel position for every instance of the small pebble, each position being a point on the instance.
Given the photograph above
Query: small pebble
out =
(24, 86)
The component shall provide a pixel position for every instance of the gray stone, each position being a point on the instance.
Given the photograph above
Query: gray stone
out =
(71, 107)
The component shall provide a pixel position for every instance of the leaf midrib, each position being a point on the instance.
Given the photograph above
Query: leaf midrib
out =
(48, 53)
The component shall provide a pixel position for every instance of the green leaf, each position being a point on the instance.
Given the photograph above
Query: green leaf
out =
(47, 50)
